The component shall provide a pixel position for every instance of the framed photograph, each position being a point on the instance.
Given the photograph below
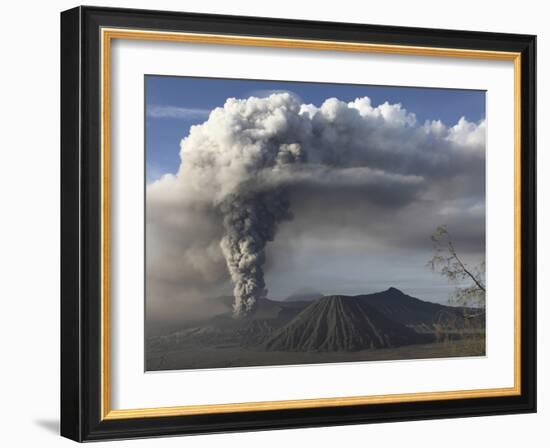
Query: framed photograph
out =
(276, 224)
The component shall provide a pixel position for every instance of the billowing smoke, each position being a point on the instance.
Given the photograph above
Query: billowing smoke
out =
(249, 223)
(242, 167)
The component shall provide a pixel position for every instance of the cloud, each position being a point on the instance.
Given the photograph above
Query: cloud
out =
(166, 111)
(265, 93)
(346, 170)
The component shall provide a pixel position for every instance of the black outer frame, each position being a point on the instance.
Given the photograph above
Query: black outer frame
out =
(80, 223)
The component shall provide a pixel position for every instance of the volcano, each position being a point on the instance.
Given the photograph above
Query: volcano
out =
(419, 314)
(341, 323)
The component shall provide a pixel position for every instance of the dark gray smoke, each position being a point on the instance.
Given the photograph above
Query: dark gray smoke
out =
(249, 224)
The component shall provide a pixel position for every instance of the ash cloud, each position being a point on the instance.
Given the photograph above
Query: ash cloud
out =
(257, 162)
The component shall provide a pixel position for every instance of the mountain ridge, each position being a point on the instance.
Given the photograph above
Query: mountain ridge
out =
(413, 312)
(337, 323)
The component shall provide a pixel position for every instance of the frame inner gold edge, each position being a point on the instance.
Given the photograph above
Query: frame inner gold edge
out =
(107, 34)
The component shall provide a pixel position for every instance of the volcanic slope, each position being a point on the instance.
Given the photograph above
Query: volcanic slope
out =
(341, 323)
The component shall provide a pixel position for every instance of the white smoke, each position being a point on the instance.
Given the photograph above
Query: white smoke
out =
(240, 168)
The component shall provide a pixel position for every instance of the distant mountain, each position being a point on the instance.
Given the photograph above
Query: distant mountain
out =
(304, 295)
(265, 309)
(416, 313)
(341, 323)
(254, 329)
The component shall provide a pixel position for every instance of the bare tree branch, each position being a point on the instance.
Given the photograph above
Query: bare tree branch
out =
(447, 261)
(464, 268)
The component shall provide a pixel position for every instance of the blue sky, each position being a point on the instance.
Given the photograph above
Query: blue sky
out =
(174, 104)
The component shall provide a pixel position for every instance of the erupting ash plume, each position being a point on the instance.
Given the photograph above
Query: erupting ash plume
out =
(242, 166)
(238, 157)
(249, 224)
